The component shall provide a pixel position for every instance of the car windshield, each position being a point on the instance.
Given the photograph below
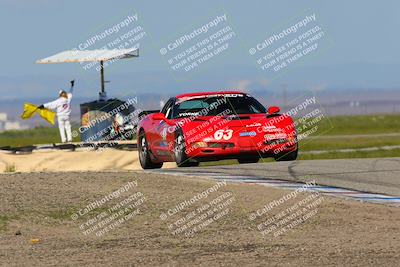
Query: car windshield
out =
(215, 105)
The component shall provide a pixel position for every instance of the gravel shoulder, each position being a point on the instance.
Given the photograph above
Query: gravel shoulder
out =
(37, 226)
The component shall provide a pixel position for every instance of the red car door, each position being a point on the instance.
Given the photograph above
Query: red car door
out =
(159, 132)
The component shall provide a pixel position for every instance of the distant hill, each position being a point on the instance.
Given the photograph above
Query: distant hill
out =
(334, 102)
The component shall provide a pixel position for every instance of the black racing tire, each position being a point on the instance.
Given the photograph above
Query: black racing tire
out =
(248, 160)
(144, 153)
(193, 164)
(290, 156)
(180, 155)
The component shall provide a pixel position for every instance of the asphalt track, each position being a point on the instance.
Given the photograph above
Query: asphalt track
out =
(374, 175)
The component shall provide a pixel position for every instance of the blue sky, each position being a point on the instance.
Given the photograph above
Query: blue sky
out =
(361, 39)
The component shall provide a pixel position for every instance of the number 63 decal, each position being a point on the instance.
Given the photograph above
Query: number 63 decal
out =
(225, 134)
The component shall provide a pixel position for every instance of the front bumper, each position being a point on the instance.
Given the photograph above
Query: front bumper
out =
(226, 150)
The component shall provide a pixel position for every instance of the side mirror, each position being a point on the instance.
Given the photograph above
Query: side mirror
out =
(159, 117)
(273, 110)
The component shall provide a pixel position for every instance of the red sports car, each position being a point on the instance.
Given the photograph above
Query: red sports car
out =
(209, 126)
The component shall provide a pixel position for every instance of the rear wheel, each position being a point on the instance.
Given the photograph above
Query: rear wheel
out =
(248, 160)
(144, 154)
(180, 155)
(292, 155)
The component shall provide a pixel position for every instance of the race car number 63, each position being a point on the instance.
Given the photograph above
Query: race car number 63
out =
(225, 134)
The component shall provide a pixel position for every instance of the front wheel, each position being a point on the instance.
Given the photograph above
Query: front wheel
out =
(144, 154)
(289, 156)
(180, 155)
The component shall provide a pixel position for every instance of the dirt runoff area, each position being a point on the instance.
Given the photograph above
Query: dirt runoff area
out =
(138, 218)
(56, 161)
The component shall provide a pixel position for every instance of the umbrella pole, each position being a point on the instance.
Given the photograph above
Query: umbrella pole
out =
(102, 77)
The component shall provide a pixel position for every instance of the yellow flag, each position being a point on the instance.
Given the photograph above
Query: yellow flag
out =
(47, 115)
(30, 110)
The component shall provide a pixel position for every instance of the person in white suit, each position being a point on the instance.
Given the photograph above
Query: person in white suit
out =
(62, 106)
